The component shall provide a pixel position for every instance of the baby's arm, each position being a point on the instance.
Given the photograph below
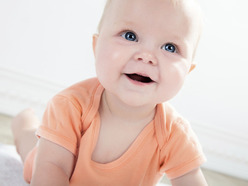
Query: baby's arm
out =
(195, 177)
(53, 165)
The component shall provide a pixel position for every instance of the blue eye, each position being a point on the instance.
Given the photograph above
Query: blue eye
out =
(130, 36)
(169, 47)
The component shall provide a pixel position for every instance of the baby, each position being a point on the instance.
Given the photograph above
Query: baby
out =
(117, 129)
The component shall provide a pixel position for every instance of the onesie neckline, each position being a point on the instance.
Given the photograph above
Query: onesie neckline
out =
(127, 154)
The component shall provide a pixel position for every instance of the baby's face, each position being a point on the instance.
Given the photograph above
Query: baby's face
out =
(145, 49)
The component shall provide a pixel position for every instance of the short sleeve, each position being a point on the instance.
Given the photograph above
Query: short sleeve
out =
(182, 152)
(61, 123)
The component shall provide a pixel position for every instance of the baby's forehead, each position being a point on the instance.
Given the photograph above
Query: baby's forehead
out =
(120, 4)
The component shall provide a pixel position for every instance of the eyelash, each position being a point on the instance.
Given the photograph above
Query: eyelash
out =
(175, 50)
(131, 36)
(125, 36)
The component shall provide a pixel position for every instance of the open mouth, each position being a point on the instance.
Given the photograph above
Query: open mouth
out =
(140, 78)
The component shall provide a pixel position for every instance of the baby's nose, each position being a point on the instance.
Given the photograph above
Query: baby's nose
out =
(146, 57)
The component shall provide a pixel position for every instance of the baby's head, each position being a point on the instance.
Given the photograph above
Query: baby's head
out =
(145, 48)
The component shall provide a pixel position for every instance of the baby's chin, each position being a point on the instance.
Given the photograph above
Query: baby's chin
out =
(137, 101)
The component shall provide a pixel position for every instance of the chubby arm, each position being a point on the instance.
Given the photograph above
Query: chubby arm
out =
(193, 178)
(53, 165)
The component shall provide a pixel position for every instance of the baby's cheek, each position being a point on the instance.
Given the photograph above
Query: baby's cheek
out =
(107, 64)
(173, 81)
(116, 55)
(177, 81)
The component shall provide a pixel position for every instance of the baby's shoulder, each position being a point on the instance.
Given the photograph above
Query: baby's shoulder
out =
(82, 93)
(174, 123)
(81, 99)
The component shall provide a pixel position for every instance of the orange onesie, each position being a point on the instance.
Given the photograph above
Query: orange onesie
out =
(166, 145)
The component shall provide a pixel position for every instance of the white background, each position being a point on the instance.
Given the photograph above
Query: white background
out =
(51, 40)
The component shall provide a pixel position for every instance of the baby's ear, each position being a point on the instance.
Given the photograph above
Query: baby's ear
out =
(192, 67)
(94, 41)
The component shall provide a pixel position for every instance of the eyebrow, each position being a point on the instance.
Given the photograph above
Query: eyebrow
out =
(129, 23)
(124, 23)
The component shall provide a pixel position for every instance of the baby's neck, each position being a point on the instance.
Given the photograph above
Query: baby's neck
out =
(115, 109)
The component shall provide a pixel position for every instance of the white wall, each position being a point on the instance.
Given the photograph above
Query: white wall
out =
(50, 39)
(46, 46)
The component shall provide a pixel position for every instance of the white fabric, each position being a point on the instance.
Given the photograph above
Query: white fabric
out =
(10, 167)
(162, 184)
